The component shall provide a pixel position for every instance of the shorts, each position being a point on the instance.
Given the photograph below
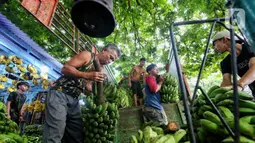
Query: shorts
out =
(155, 115)
(137, 89)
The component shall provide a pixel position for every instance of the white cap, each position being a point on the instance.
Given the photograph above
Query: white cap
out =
(222, 34)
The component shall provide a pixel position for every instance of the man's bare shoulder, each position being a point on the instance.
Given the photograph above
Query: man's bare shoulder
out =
(85, 55)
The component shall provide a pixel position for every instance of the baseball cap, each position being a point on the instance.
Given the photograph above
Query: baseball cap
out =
(222, 34)
(22, 83)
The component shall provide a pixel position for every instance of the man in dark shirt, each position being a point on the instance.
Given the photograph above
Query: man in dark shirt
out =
(245, 61)
(15, 102)
(153, 110)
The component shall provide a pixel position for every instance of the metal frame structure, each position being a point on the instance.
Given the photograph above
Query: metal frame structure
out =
(63, 28)
(236, 134)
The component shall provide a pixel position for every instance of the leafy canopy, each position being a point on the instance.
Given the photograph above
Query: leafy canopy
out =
(142, 31)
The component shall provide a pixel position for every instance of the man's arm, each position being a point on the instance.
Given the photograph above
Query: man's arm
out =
(226, 80)
(22, 111)
(154, 87)
(129, 76)
(83, 58)
(8, 107)
(249, 76)
(10, 99)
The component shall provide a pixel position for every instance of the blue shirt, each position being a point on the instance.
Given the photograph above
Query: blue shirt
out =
(152, 98)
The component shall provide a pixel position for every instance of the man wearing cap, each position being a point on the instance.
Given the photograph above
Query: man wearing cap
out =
(245, 61)
(153, 110)
(15, 102)
(135, 77)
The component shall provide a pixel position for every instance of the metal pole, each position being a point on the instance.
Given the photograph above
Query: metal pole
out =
(234, 69)
(199, 21)
(218, 113)
(203, 63)
(183, 91)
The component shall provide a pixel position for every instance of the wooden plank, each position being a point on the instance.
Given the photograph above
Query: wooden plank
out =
(42, 10)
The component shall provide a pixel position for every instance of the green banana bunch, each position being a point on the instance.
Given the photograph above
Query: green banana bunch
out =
(118, 95)
(99, 121)
(152, 134)
(169, 91)
(212, 127)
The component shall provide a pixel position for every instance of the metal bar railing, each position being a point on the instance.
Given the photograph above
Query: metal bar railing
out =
(56, 28)
(57, 22)
(234, 69)
(203, 63)
(183, 91)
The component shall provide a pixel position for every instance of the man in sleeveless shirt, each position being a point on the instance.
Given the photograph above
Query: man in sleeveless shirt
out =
(136, 76)
(63, 121)
(245, 61)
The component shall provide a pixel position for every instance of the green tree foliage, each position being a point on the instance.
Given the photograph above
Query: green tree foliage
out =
(142, 31)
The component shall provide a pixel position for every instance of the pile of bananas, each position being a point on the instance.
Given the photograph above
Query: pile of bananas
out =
(3, 78)
(5, 60)
(16, 60)
(14, 82)
(31, 69)
(9, 69)
(2, 86)
(22, 69)
(11, 89)
(99, 121)
(35, 81)
(44, 76)
(9, 130)
(24, 76)
(169, 91)
(36, 106)
(118, 95)
(156, 134)
(45, 83)
(208, 125)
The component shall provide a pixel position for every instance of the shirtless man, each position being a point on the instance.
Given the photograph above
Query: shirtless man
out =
(135, 77)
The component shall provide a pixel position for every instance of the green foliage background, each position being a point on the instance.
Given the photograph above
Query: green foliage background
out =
(142, 31)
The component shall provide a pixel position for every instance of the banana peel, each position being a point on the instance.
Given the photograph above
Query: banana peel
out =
(2, 86)
(9, 69)
(5, 60)
(11, 89)
(16, 60)
(31, 69)
(21, 68)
